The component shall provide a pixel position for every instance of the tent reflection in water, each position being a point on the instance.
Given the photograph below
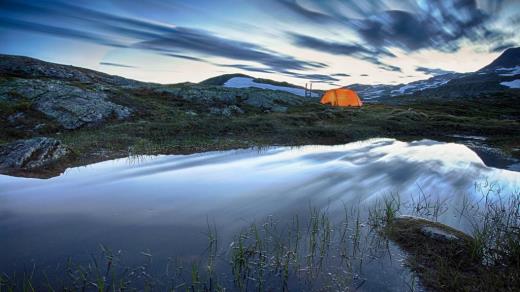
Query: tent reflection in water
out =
(341, 97)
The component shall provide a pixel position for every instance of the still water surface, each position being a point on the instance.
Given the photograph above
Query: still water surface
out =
(162, 204)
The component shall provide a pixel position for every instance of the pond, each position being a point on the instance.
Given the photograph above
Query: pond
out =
(153, 211)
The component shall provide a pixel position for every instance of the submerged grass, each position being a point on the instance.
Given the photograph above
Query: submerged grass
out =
(272, 255)
(319, 251)
(486, 260)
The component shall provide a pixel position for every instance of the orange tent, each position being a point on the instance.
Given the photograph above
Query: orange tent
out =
(341, 97)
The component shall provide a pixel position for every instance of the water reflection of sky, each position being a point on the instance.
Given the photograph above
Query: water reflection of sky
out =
(167, 200)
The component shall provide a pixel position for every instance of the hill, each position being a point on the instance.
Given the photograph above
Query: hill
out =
(508, 59)
(221, 79)
(245, 81)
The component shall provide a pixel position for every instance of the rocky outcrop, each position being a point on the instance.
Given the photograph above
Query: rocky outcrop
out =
(228, 111)
(19, 66)
(260, 98)
(76, 97)
(31, 153)
(71, 106)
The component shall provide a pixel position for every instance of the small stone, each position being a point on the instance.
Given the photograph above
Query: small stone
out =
(235, 109)
(39, 126)
(437, 233)
(279, 109)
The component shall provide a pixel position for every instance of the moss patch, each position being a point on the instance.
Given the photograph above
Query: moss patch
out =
(448, 265)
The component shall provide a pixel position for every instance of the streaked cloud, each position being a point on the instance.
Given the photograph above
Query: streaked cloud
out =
(116, 65)
(167, 40)
(290, 40)
(432, 71)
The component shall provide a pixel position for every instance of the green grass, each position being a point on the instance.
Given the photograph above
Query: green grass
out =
(486, 260)
(163, 124)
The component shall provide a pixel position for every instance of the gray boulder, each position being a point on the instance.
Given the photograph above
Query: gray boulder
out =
(31, 153)
(228, 111)
(71, 106)
(191, 113)
(256, 97)
(201, 94)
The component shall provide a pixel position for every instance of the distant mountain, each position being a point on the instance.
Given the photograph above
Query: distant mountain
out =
(246, 81)
(379, 91)
(508, 59)
(221, 79)
(502, 74)
(21, 66)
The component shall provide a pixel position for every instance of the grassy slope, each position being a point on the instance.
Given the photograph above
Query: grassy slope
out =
(163, 125)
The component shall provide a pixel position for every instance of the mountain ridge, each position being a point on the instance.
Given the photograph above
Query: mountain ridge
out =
(491, 78)
(508, 59)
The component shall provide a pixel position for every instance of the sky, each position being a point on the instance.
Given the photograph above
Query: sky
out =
(330, 42)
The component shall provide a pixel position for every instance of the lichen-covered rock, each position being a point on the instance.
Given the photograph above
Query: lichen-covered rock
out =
(31, 153)
(71, 106)
(227, 111)
(260, 98)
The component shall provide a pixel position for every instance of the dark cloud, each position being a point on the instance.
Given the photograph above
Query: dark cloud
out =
(364, 75)
(436, 24)
(59, 31)
(390, 68)
(311, 77)
(180, 56)
(185, 39)
(502, 47)
(338, 48)
(394, 28)
(439, 25)
(116, 65)
(381, 27)
(340, 75)
(246, 68)
(107, 29)
(432, 71)
(299, 10)
(335, 84)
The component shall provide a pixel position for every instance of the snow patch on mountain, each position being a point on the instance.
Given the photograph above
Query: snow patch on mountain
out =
(403, 89)
(511, 84)
(510, 71)
(245, 82)
(371, 92)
